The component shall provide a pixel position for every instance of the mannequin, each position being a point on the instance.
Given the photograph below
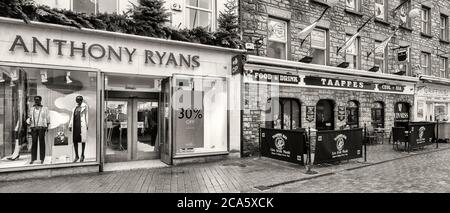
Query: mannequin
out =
(78, 126)
(39, 120)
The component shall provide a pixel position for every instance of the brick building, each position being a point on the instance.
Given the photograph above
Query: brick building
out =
(329, 97)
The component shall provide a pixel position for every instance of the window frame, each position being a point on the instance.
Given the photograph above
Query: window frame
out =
(384, 58)
(326, 48)
(445, 70)
(357, 7)
(96, 12)
(281, 101)
(425, 13)
(358, 50)
(385, 10)
(407, 24)
(212, 11)
(444, 30)
(286, 37)
(428, 61)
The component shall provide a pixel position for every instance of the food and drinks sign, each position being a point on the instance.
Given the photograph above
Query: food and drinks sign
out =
(421, 134)
(285, 145)
(338, 145)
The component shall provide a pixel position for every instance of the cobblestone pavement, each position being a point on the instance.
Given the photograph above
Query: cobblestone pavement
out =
(385, 170)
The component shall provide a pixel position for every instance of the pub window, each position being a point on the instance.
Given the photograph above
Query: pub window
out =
(381, 9)
(286, 114)
(425, 63)
(277, 39)
(319, 43)
(352, 56)
(378, 115)
(443, 64)
(444, 28)
(425, 24)
(199, 13)
(380, 57)
(353, 114)
(352, 5)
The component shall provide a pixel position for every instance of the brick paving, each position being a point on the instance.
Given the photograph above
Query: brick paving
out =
(385, 171)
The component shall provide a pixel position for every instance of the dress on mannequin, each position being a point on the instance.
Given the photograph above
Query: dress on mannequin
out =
(79, 126)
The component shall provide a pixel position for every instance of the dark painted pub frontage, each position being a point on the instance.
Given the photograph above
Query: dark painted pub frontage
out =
(290, 95)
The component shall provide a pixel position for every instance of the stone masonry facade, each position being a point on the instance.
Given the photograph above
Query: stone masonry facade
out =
(337, 22)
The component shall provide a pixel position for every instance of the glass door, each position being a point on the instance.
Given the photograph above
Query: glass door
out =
(117, 136)
(165, 123)
(146, 129)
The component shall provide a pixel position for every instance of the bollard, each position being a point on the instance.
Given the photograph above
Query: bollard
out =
(309, 164)
(437, 133)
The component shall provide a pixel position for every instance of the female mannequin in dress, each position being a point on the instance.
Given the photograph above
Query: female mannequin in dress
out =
(79, 125)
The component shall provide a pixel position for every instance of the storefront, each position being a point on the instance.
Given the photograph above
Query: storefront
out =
(433, 103)
(292, 95)
(111, 97)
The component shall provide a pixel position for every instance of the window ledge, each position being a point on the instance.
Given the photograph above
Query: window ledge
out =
(407, 28)
(321, 2)
(381, 21)
(354, 12)
(426, 35)
(444, 41)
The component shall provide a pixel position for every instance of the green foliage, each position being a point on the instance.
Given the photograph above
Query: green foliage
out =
(146, 19)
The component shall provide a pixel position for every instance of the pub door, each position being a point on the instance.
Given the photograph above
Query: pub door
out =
(325, 115)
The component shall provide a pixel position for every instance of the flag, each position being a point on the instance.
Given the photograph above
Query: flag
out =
(381, 47)
(305, 32)
(349, 42)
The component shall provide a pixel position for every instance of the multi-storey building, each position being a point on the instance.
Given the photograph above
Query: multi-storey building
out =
(295, 82)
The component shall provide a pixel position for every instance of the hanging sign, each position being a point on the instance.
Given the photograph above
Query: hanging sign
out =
(341, 113)
(237, 64)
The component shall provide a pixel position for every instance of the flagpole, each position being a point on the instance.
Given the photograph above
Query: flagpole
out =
(320, 18)
(357, 31)
(390, 37)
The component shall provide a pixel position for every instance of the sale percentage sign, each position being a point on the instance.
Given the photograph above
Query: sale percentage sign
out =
(198, 114)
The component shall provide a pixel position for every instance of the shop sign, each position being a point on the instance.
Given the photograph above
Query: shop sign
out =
(338, 83)
(273, 77)
(102, 52)
(189, 122)
(310, 113)
(341, 113)
(285, 145)
(391, 88)
(237, 64)
(338, 145)
(421, 134)
(401, 112)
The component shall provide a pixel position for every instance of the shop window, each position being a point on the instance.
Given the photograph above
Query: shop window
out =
(425, 60)
(404, 14)
(353, 114)
(378, 115)
(325, 115)
(200, 115)
(353, 53)
(380, 57)
(440, 112)
(277, 39)
(401, 114)
(381, 8)
(353, 5)
(425, 21)
(199, 13)
(319, 45)
(443, 66)
(46, 116)
(444, 28)
(285, 114)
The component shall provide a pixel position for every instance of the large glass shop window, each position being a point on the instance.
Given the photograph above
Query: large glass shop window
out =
(284, 113)
(200, 115)
(47, 116)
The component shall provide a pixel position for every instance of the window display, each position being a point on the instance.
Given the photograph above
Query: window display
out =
(40, 123)
(200, 115)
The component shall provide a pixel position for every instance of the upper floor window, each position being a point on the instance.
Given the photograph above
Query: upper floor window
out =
(444, 28)
(277, 38)
(319, 43)
(352, 5)
(380, 57)
(404, 14)
(90, 6)
(425, 24)
(443, 64)
(381, 9)
(199, 13)
(425, 63)
(353, 54)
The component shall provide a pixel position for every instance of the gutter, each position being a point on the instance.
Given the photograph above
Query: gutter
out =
(251, 59)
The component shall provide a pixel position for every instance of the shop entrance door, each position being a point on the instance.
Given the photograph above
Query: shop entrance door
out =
(165, 113)
(132, 129)
(325, 115)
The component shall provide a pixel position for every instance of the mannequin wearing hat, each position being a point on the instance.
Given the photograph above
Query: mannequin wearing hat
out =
(79, 126)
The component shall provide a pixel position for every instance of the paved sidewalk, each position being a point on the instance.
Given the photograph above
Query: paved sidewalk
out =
(238, 175)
